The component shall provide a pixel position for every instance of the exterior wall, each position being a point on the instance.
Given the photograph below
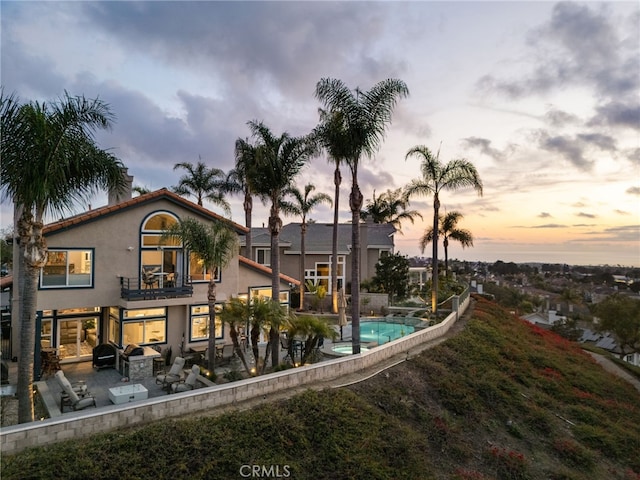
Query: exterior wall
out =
(82, 424)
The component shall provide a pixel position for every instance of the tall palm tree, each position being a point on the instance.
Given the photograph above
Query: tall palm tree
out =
(236, 314)
(50, 163)
(202, 182)
(302, 205)
(216, 245)
(389, 207)
(238, 180)
(332, 135)
(363, 118)
(437, 177)
(448, 229)
(278, 162)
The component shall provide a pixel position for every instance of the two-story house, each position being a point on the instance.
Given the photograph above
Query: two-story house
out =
(110, 277)
(376, 241)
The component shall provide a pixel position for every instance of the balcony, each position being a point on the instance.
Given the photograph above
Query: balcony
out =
(133, 289)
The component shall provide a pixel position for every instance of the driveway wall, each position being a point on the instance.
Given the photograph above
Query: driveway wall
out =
(86, 423)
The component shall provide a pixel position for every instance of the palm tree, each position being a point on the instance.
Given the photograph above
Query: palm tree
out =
(435, 178)
(238, 181)
(389, 207)
(202, 182)
(362, 118)
(215, 245)
(302, 205)
(235, 314)
(448, 229)
(278, 161)
(332, 136)
(50, 162)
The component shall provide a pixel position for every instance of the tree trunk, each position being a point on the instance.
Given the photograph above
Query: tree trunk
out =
(434, 257)
(337, 180)
(275, 225)
(445, 243)
(248, 208)
(233, 333)
(211, 297)
(33, 256)
(303, 234)
(355, 203)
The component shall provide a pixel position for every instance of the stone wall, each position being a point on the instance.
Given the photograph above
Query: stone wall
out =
(83, 424)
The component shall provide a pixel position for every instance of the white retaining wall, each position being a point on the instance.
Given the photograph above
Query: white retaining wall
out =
(85, 423)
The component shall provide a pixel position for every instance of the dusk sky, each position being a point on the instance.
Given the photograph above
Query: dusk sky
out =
(543, 97)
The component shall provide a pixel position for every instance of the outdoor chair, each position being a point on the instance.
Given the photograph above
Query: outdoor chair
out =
(226, 355)
(75, 400)
(172, 280)
(189, 383)
(173, 375)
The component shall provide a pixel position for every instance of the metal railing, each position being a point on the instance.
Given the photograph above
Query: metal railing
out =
(134, 289)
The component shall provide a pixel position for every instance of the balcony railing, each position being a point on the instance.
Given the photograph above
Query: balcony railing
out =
(133, 289)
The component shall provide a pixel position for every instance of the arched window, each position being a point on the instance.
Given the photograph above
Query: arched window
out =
(161, 260)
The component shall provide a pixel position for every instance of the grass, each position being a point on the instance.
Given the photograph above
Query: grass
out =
(501, 400)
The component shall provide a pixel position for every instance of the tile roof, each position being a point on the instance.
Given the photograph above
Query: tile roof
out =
(261, 268)
(163, 193)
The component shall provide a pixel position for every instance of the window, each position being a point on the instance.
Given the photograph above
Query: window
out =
(67, 269)
(114, 325)
(161, 259)
(198, 272)
(321, 274)
(263, 256)
(199, 323)
(46, 333)
(144, 326)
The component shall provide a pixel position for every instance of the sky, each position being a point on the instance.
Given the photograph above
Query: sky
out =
(542, 97)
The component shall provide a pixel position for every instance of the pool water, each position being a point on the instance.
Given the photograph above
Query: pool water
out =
(383, 332)
(347, 349)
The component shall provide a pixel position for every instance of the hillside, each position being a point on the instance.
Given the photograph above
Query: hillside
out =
(502, 399)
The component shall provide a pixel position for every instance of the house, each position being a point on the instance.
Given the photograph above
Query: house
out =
(607, 341)
(111, 278)
(376, 241)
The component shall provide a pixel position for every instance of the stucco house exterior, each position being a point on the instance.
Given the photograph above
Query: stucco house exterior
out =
(110, 278)
(376, 241)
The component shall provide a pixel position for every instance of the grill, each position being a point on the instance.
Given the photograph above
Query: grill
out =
(104, 356)
(132, 350)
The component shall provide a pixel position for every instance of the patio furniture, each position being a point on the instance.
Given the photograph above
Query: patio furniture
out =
(128, 393)
(173, 375)
(49, 362)
(189, 383)
(75, 400)
(226, 355)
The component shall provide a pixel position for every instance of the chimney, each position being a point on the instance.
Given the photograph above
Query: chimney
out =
(126, 194)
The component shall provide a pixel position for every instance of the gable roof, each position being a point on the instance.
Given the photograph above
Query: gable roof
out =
(162, 194)
(263, 269)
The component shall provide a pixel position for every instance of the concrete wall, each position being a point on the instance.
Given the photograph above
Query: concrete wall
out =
(83, 424)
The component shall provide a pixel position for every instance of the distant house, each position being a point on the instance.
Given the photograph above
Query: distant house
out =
(376, 242)
(607, 341)
(110, 278)
(548, 318)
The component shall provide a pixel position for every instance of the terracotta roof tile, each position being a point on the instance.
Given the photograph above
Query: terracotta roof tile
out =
(262, 268)
(148, 197)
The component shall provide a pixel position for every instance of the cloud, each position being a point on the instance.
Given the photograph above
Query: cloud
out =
(560, 118)
(633, 190)
(621, 212)
(623, 233)
(545, 215)
(484, 145)
(571, 149)
(585, 215)
(546, 225)
(616, 113)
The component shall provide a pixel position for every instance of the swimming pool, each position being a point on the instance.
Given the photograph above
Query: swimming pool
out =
(346, 349)
(383, 332)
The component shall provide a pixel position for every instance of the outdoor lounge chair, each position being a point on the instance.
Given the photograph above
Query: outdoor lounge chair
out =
(189, 383)
(226, 355)
(75, 401)
(172, 376)
(79, 387)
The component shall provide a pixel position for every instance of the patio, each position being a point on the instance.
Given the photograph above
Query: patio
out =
(99, 381)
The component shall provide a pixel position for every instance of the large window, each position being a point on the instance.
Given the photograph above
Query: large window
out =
(67, 269)
(199, 323)
(144, 326)
(321, 273)
(198, 272)
(161, 258)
